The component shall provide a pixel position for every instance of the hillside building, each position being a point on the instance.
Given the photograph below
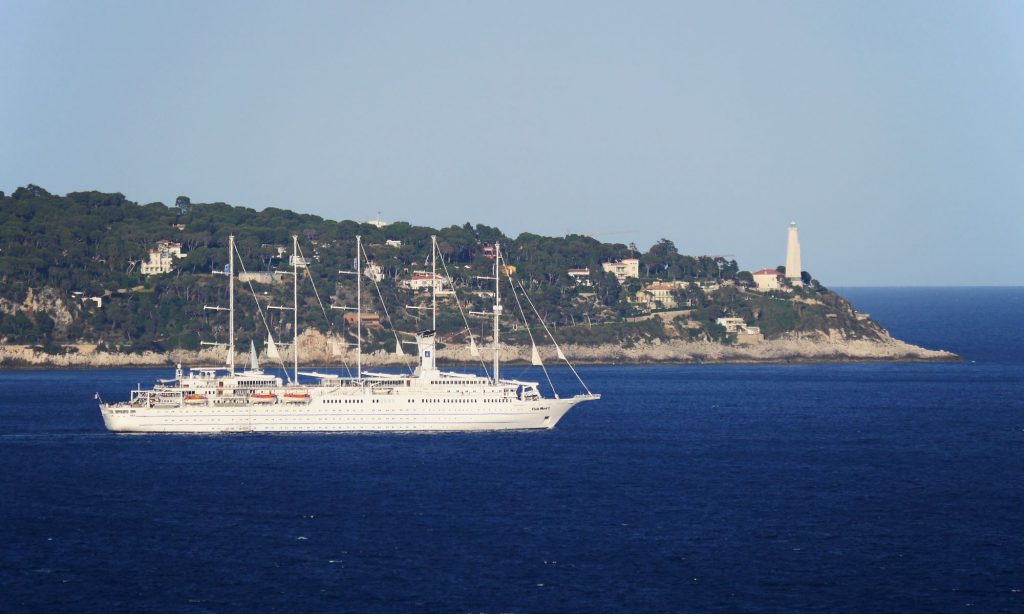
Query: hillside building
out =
(373, 271)
(744, 334)
(622, 269)
(767, 279)
(661, 292)
(424, 280)
(162, 257)
(369, 320)
(580, 276)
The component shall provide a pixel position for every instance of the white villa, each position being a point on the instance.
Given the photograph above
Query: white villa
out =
(373, 271)
(424, 280)
(162, 257)
(627, 267)
(660, 292)
(744, 334)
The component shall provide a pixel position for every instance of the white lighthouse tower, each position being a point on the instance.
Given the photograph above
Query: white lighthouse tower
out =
(793, 256)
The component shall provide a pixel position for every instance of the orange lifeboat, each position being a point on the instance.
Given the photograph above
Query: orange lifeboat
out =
(263, 397)
(195, 399)
(296, 397)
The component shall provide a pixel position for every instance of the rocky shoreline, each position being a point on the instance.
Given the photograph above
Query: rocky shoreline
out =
(316, 350)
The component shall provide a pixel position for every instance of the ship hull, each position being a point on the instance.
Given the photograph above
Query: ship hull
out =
(354, 416)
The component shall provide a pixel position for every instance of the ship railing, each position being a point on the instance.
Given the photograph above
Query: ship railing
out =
(149, 398)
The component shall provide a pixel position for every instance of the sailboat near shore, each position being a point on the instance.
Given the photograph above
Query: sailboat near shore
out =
(226, 399)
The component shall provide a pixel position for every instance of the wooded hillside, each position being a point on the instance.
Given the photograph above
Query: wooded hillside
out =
(58, 254)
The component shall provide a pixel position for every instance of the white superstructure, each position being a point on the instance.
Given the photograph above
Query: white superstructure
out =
(224, 399)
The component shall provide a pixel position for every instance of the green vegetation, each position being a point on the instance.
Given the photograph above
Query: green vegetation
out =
(58, 251)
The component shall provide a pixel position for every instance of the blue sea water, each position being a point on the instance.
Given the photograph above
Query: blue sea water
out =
(860, 487)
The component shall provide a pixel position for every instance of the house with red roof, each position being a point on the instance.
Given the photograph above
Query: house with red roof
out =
(767, 279)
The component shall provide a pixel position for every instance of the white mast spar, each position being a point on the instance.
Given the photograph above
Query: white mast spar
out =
(295, 304)
(230, 361)
(433, 283)
(358, 272)
(359, 307)
(231, 303)
(497, 307)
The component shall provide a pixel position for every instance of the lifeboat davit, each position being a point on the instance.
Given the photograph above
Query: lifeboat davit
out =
(263, 398)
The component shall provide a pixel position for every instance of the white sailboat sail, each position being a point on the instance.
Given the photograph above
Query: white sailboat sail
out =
(398, 348)
(254, 362)
(535, 356)
(272, 352)
(473, 350)
(561, 356)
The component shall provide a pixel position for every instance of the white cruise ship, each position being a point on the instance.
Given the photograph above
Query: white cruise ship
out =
(226, 399)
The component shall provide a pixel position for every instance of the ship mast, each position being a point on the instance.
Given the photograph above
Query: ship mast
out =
(359, 307)
(433, 283)
(497, 307)
(231, 303)
(295, 303)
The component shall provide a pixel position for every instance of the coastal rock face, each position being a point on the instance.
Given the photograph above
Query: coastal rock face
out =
(318, 349)
(47, 300)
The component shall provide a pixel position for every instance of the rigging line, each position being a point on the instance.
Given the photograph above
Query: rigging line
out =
(330, 325)
(465, 320)
(533, 343)
(398, 343)
(557, 349)
(259, 309)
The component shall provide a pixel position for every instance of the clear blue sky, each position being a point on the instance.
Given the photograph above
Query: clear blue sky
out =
(892, 132)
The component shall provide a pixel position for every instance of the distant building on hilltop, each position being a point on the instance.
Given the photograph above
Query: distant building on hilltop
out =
(767, 279)
(661, 292)
(378, 223)
(373, 271)
(744, 334)
(424, 280)
(161, 258)
(622, 269)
